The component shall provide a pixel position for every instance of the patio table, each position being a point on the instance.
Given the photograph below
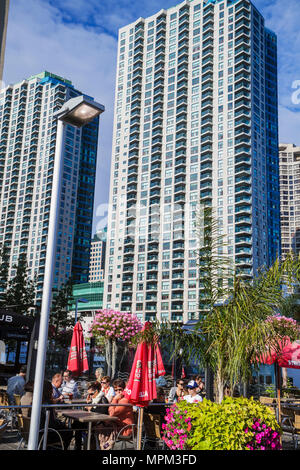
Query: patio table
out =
(294, 407)
(90, 418)
(76, 401)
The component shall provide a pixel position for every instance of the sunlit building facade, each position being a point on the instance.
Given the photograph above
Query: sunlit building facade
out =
(195, 123)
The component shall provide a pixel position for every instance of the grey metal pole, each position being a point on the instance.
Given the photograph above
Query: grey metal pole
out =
(46, 429)
(47, 291)
(76, 310)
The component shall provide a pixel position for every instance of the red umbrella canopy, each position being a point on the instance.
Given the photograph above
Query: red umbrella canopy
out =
(141, 386)
(159, 365)
(287, 355)
(77, 362)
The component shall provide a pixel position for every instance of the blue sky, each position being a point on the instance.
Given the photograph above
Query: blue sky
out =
(77, 39)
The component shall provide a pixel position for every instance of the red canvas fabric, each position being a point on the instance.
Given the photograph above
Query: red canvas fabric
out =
(159, 365)
(288, 355)
(141, 386)
(77, 361)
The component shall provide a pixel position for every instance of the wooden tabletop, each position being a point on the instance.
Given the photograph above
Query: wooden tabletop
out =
(75, 401)
(88, 416)
(292, 407)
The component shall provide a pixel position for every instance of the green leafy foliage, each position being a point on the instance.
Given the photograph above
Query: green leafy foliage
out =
(60, 324)
(225, 426)
(20, 290)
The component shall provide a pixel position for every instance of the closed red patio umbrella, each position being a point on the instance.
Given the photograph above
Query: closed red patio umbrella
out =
(159, 365)
(77, 361)
(141, 385)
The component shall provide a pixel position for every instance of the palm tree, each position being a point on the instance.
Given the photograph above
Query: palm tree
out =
(234, 335)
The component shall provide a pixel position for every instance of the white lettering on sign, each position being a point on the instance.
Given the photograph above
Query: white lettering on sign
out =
(6, 318)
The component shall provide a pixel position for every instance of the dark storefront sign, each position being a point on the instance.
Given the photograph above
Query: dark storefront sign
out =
(16, 332)
(8, 319)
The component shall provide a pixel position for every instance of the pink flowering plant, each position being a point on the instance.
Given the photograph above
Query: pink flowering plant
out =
(177, 428)
(284, 327)
(262, 437)
(114, 325)
(234, 424)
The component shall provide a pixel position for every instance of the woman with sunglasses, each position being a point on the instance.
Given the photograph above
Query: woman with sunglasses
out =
(177, 393)
(124, 413)
(106, 388)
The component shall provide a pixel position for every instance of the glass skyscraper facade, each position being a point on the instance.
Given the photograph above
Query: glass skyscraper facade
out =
(27, 154)
(195, 123)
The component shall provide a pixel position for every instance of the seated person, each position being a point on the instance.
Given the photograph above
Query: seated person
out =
(201, 386)
(56, 383)
(15, 385)
(177, 393)
(107, 389)
(193, 396)
(156, 409)
(26, 399)
(96, 397)
(54, 423)
(69, 387)
(99, 374)
(124, 413)
(161, 381)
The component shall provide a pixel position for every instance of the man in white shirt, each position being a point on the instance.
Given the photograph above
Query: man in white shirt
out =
(69, 386)
(192, 397)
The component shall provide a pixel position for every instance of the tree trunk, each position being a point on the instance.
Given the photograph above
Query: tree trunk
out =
(108, 356)
(284, 377)
(114, 358)
(209, 384)
(245, 389)
(220, 387)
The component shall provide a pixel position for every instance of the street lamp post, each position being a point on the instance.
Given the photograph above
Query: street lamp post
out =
(76, 307)
(77, 112)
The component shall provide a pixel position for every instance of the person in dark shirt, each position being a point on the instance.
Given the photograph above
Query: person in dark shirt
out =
(54, 423)
(57, 396)
(15, 385)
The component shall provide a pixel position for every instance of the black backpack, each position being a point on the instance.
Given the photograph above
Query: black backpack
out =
(101, 409)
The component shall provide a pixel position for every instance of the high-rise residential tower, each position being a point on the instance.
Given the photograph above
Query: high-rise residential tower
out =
(289, 159)
(97, 257)
(4, 7)
(27, 153)
(195, 123)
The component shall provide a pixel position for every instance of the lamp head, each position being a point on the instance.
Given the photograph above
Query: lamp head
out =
(79, 111)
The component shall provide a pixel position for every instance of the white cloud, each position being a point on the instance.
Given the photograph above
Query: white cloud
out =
(283, 19)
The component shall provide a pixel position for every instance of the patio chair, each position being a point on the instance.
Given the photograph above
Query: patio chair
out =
(131, 439)
(24, 427)
(8, 414)
(3, 426)
(152, 431)
(297, 429)
(287, 418)
(267, 400)
(291, 424)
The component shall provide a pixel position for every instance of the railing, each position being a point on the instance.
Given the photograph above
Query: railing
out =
(45, 430)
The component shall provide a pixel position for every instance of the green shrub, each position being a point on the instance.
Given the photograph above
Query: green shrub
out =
(232, 425)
